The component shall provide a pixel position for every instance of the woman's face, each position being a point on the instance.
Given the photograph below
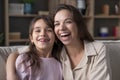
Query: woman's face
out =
(65, 27)
(42, 36)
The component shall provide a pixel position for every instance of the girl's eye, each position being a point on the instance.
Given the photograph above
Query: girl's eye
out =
(38, 30)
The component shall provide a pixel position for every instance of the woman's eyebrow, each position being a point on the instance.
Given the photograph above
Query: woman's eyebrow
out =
(68, 19)
(64, 20)
(56, 21)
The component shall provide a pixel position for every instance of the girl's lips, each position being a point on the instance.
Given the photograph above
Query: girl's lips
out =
(43, 39)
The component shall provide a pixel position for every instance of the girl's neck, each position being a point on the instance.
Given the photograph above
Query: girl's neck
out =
(45, 53)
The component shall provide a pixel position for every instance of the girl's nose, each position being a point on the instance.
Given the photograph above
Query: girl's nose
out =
(43, 33)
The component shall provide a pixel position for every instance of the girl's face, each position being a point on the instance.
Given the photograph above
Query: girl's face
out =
(42, 36)
(65, 27)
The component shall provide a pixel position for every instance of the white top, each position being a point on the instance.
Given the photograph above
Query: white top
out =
(50, 70)
(93, 65)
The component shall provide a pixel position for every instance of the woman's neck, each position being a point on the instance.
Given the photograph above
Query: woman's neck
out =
(74, 49)
(75, 53)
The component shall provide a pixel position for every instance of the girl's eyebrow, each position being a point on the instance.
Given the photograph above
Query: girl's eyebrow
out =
(41, 26)
(36, 27)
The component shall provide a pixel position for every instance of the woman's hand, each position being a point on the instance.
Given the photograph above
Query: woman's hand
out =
(10, 67)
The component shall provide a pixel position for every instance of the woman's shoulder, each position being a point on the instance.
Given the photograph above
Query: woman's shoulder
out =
(97, 43)
(95, 46)
(99, 46)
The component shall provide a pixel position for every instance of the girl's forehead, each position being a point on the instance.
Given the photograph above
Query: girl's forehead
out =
(40, 23)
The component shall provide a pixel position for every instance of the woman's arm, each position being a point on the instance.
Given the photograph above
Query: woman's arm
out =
(10, 66)
(101, 70)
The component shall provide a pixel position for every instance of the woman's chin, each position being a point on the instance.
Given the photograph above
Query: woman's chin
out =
(67, 42)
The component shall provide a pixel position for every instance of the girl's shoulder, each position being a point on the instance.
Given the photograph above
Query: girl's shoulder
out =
(20, 63)
(20, 59)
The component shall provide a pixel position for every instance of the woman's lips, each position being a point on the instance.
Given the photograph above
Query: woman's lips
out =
(64, 34)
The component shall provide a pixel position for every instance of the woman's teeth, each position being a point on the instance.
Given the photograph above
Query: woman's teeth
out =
(64, 34)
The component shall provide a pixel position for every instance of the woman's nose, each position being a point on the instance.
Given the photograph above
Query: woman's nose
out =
(62, 27)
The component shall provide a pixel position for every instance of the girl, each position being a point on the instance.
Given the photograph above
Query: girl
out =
(41, 61)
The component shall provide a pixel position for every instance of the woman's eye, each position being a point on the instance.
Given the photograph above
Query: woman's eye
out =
(49, 29)
(56, 24)
(68, 21)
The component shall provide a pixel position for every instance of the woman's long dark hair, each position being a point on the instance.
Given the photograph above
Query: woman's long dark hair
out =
(32, 54)
(78, 19)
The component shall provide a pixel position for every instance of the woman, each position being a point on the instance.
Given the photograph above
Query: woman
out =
(40, 62)
(82, 58)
